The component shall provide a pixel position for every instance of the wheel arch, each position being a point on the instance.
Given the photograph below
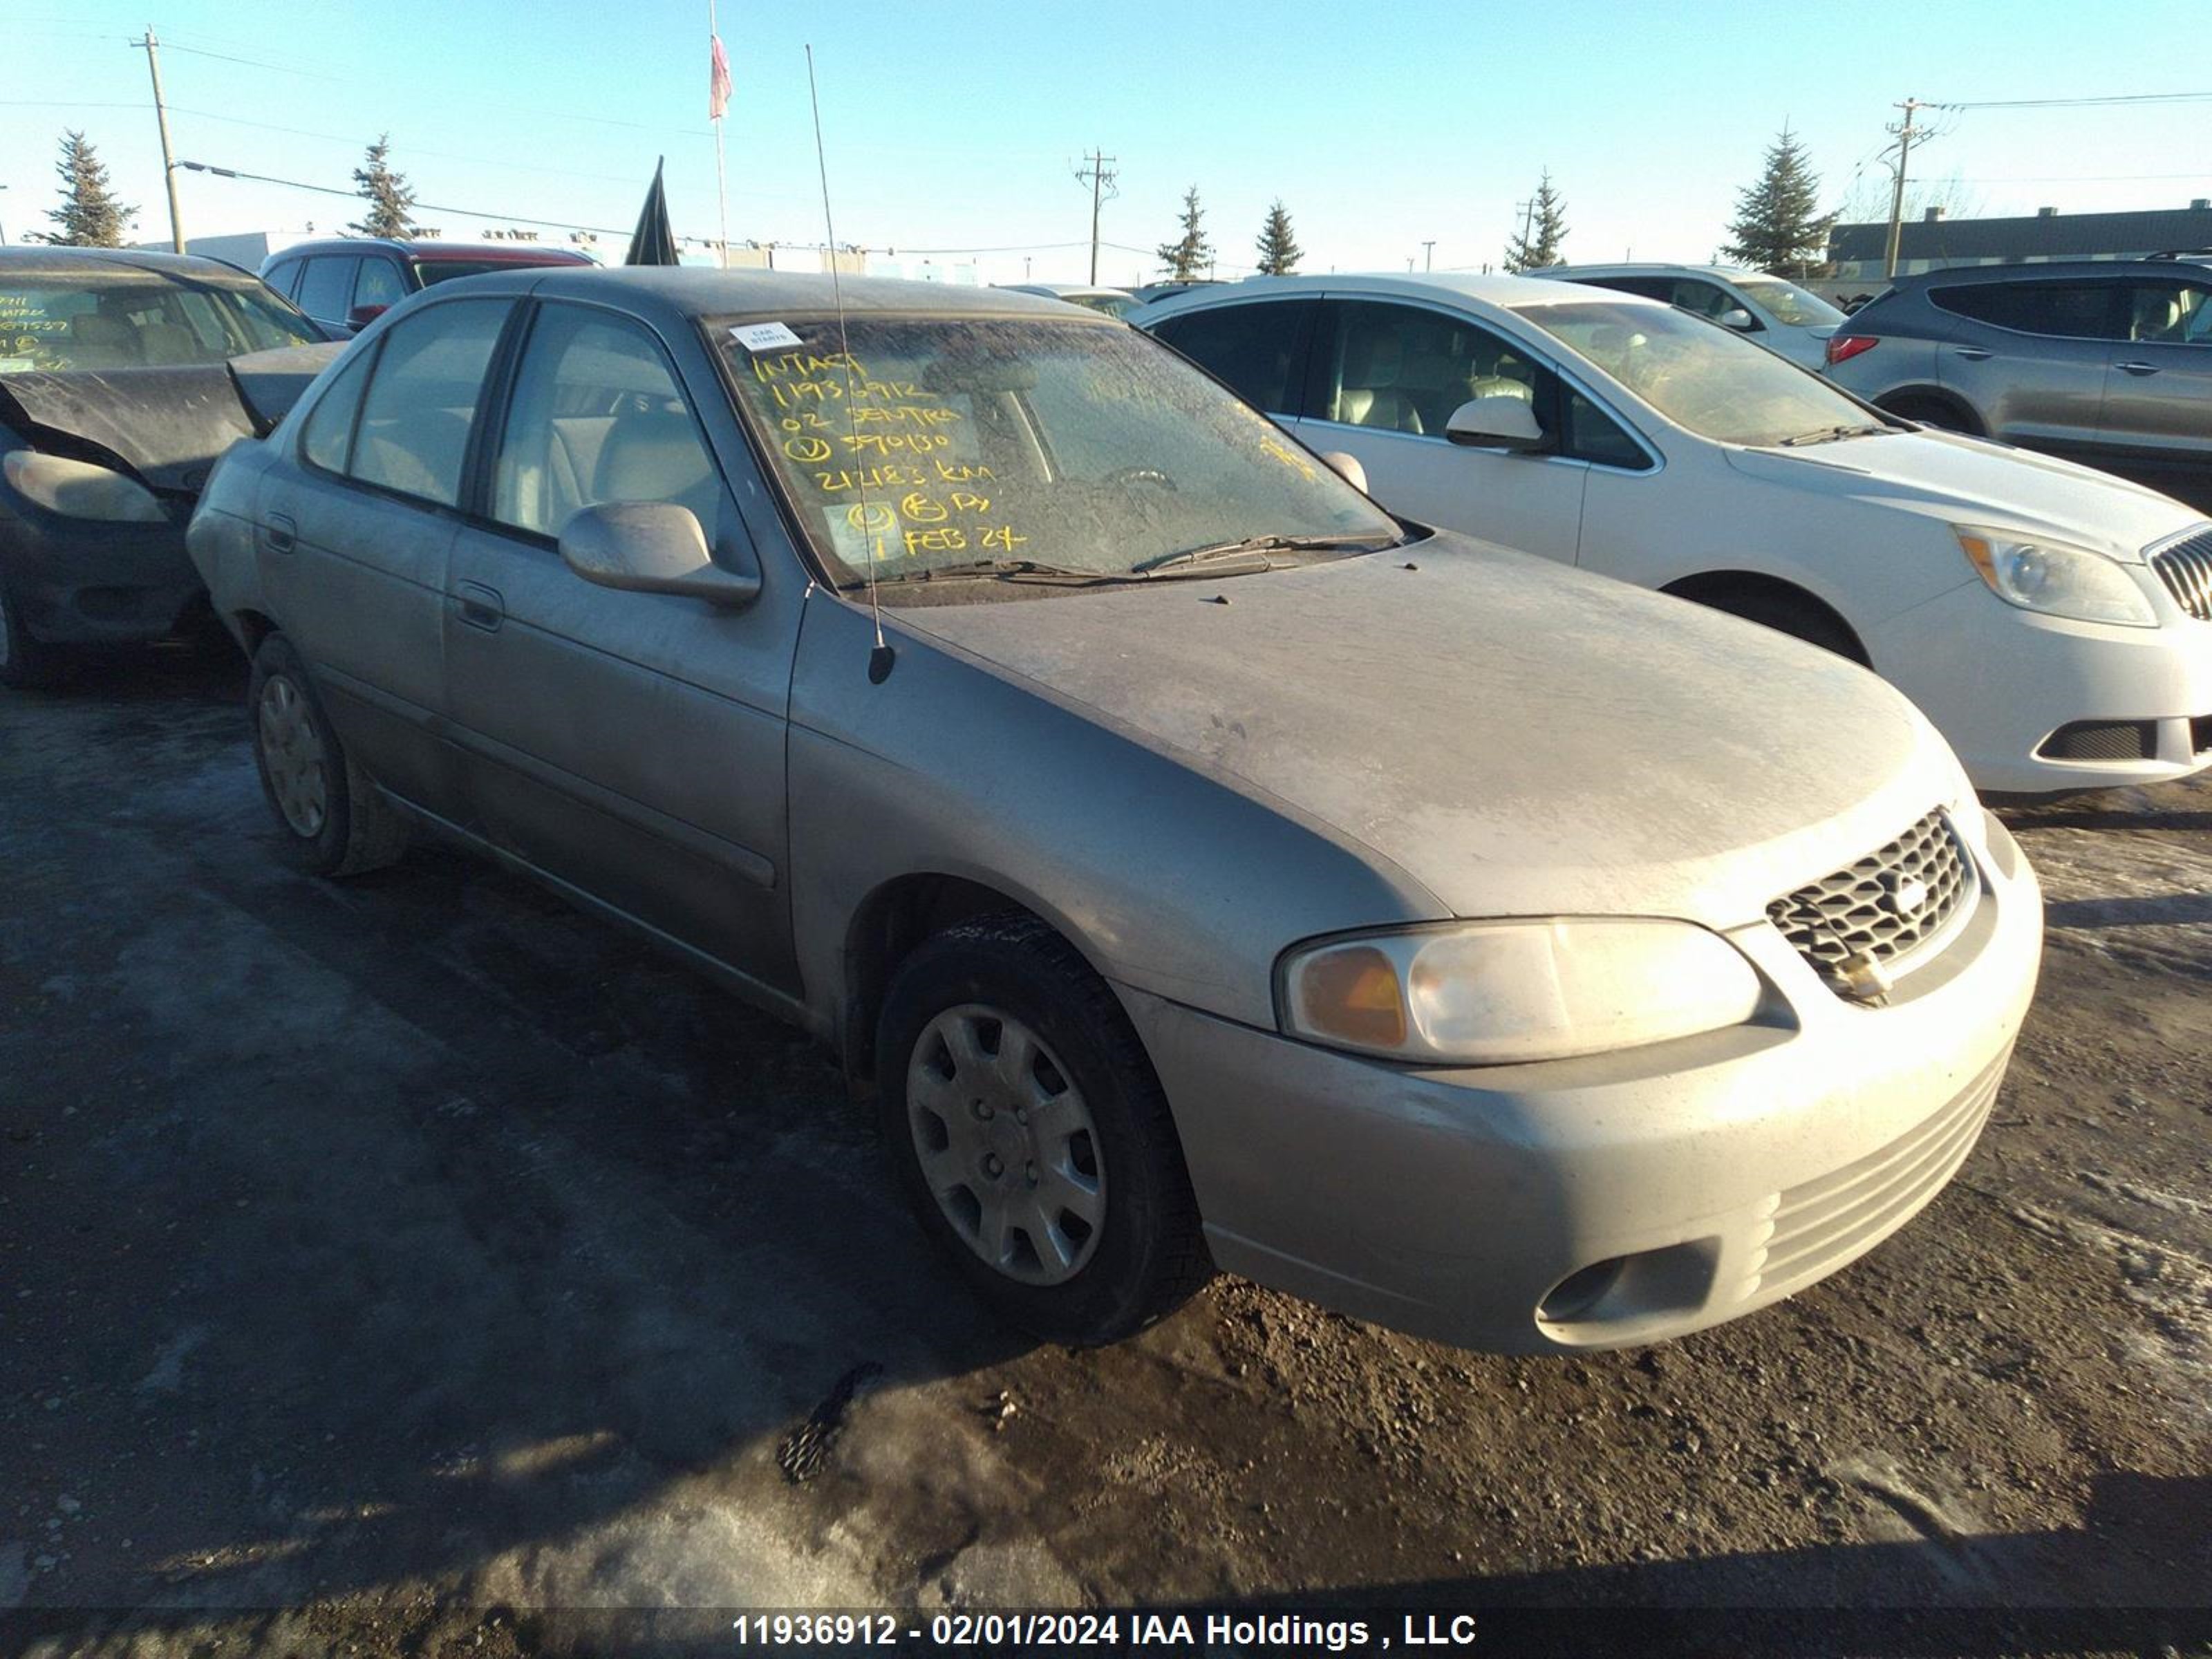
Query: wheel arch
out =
(1900, 400)
(887, 925)
(1712, 587)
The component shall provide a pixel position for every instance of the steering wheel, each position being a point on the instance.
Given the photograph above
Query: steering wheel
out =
(1144, 475)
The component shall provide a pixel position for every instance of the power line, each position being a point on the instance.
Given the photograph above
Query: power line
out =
(2081, 103)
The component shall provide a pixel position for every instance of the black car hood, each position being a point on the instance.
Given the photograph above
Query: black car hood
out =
(164, 426)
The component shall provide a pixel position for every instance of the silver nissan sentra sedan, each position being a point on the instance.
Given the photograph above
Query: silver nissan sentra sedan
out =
(1193, 865)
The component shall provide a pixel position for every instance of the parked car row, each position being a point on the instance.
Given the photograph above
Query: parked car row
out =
(1196, 860)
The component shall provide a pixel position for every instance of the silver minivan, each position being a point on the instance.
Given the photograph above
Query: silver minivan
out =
(1193, 864)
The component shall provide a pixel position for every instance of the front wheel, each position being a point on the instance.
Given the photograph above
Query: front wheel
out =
(1031, 1135)
(333, 819)
(24, 662)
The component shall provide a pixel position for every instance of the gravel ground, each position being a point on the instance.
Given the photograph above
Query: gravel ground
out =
(416, 1256)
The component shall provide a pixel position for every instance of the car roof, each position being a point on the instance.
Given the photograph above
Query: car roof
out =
(1064, 291)
(2050, 270)
(1507, 293)
(513, 252)
(704, 291)
(1651, 267)
(97, 261)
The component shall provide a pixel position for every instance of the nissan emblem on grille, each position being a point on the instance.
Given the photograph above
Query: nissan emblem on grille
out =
(1859, 927)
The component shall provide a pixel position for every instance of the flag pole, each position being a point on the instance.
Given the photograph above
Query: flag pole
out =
(721, 176)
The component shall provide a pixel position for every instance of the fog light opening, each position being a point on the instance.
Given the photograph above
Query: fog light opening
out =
(1578, 1292)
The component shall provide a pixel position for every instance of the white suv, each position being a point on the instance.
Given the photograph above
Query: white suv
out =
(1781, 316)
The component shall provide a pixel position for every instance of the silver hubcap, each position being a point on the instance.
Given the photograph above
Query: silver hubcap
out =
(293, 754)
(1007, 1144)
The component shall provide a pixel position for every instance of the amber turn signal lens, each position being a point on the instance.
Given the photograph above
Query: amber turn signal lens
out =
(1352, 993)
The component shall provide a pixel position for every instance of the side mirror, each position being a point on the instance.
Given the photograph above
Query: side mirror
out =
(362, 316)
(1737, 318)
(1500, 422)
(650, 547)
(1347, 467)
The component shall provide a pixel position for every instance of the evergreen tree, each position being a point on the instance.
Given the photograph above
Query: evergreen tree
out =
(1186, 259)
(1543, 238)
(1777, 225)
(1279, 252)
(89, 216)
(386, 193)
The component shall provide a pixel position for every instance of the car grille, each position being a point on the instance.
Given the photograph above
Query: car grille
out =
(2186, 568)
(1867, 910)
(1823, 1222)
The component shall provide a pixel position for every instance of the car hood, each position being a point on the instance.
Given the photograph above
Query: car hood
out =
(1964, 480)
(164, 426)
(1519, 738)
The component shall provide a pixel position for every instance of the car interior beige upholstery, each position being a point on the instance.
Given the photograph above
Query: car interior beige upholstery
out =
(1369, 393)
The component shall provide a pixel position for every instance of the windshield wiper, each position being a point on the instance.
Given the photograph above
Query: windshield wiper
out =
(993, 568)
(1251, 552)
(1830, 434)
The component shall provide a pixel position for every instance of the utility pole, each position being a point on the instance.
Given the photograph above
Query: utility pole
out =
(161, 119)
(1099, 174)
(1428, 256)
(1905, 136)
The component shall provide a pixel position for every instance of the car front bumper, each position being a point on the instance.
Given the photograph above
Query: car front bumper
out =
(2004, 686)
(85, 582)
(1641, 1195)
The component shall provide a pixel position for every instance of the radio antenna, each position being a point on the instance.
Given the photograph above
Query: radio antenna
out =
(880, 658)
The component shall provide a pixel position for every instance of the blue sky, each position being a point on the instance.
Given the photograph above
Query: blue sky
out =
(958, 126)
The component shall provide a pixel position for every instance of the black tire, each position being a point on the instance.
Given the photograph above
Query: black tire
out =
(1801, 619)
(353, 827)
(25, 663)
(1149, 1253)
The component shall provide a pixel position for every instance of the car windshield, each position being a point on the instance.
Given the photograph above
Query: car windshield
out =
(1707, 379)
(935, 443)
(137, 318)
(1788, 303)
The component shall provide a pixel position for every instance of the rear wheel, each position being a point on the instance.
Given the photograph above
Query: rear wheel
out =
(24, 662)
(1031, 1135)
(333, 819)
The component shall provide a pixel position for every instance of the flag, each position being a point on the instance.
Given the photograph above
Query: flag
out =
(654, 241)
(718, 81)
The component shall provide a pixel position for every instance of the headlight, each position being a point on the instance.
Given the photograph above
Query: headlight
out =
(1494, 992)
(78, 489)
(2056, 580)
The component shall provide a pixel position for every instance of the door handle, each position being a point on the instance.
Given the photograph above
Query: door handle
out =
(281, 533)
(479, 606)
(2136, 368)
(1973, 354)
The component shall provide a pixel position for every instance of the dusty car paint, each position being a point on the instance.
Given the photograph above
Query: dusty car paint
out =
(1186, 779)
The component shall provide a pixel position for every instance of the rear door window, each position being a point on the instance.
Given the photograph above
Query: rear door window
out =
(2073, 310)
(326, 288)
(423, 397)
(1258, 350)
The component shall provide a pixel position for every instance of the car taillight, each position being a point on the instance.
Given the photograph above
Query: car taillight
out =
(1842, 347)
